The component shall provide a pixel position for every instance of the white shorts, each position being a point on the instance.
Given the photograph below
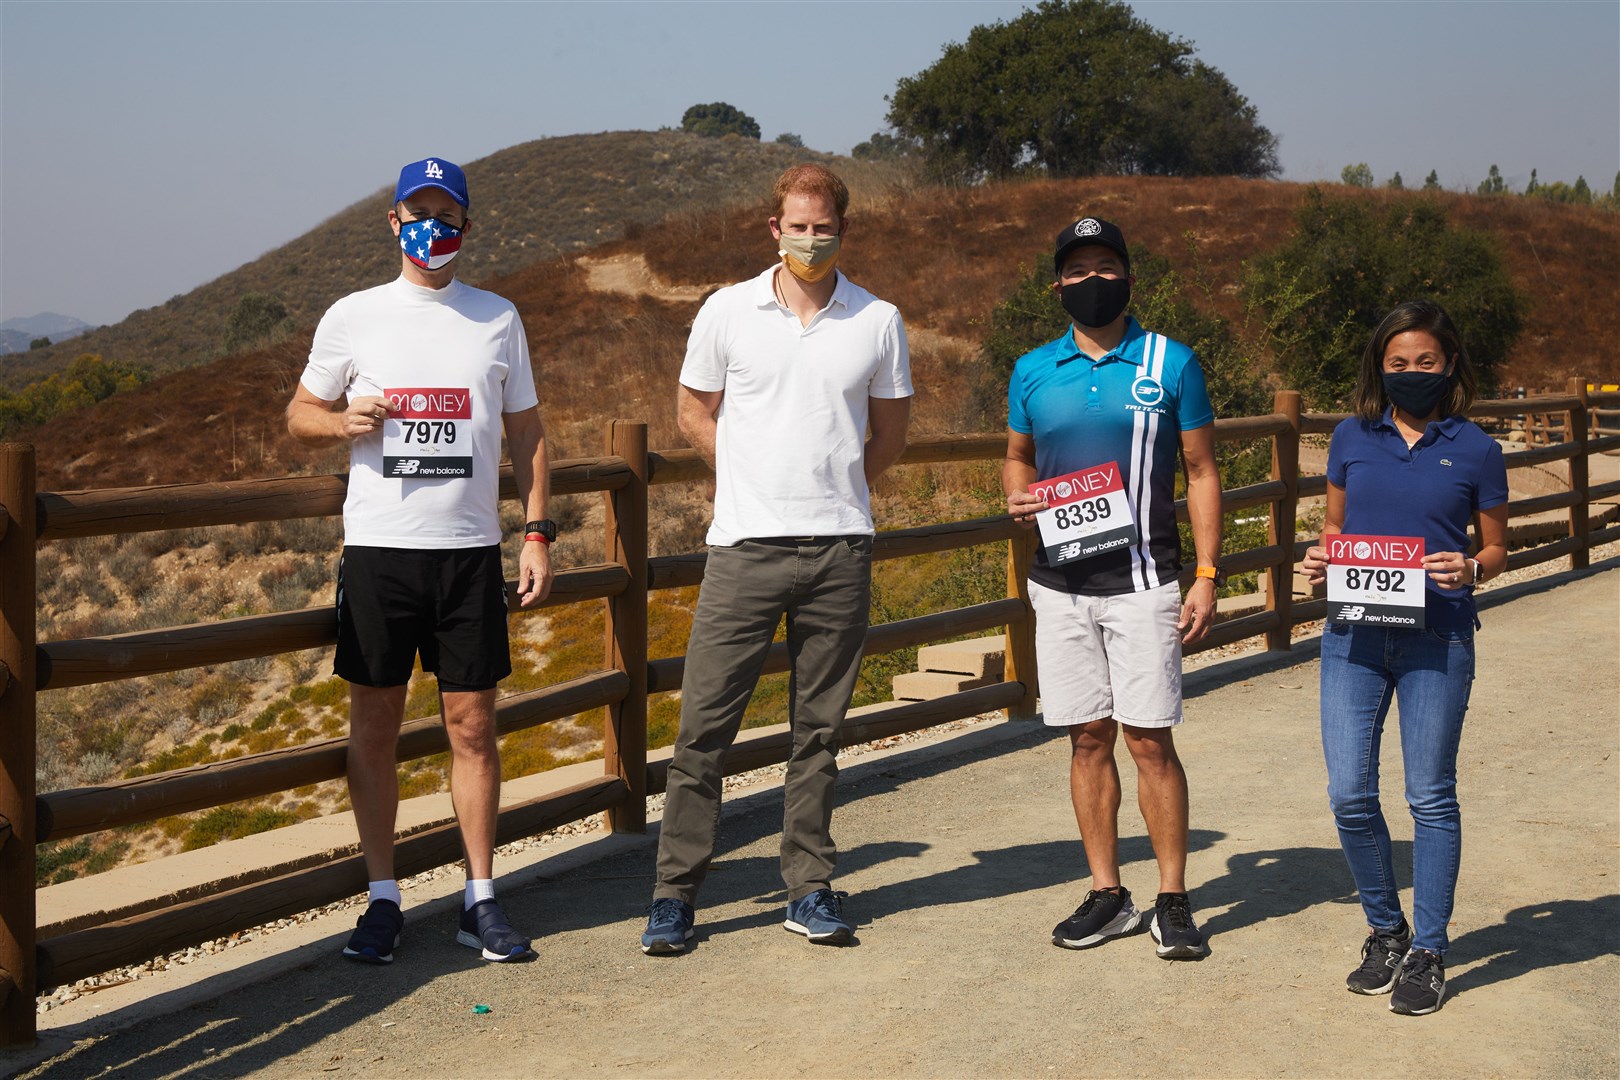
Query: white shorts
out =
(1100, 656)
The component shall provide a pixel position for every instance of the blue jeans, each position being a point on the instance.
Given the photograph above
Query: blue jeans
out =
(1429, 673)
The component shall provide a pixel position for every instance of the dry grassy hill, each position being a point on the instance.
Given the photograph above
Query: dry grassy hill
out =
(945, 256)
(532, 202)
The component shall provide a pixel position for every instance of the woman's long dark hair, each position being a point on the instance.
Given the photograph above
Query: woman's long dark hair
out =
(1369, 400)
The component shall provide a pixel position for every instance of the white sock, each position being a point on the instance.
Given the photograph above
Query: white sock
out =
(383, 890)
(478, 889)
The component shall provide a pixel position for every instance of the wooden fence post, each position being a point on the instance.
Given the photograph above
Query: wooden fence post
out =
(1284, 517)
(1020, 662)
(1580, 515)
(18, 975)
(625, 734)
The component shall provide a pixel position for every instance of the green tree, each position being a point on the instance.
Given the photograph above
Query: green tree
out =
(1583, 194)
(1432, 181)
(1492, 184)
(1357, 175)
(718, 118)
(787, 138)
(1395, 182)
(257, 319)
(39, 343)
(884, 146)
(1347, 263)
(1078, 88)
(1530, 188)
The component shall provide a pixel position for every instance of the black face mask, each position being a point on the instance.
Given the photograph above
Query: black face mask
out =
(1096, 301)
(1416, 392)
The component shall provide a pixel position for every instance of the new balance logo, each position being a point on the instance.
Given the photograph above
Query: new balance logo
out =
(1069, 551)
(1353, 613)
(407, 467)
(433, 172)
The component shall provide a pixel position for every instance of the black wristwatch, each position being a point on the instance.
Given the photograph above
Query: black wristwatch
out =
(544, 530)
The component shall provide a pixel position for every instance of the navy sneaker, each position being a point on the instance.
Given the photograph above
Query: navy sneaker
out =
(376, 934)
(484, 927)
(1421, 985)
(1176, 936)
(669, 927)
(820, 917)
(1381, 956)
(1100, 916)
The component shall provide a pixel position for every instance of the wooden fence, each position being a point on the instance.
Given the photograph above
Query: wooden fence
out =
(623, 581)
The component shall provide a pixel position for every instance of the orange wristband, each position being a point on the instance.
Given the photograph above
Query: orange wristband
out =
(1205, 572)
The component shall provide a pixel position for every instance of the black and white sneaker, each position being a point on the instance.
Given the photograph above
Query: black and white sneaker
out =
(1421, 985)
(1381, 956)
(1100, 916)
(1173, 929)
(376, 934)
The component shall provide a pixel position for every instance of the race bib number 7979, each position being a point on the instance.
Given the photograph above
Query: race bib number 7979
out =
(428, 432)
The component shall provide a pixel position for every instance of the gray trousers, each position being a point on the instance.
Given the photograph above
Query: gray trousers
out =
(824, 587)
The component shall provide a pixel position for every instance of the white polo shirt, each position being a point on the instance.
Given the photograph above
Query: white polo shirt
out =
(791, 438)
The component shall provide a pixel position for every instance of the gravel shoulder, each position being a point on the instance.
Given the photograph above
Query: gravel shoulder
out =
(960, 853)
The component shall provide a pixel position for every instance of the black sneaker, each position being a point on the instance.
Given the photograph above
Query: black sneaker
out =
(376, 934)
(1381, 956)
(669, 927)
(1421, 986)
(484, 927)
(1100, 916)
(1173, 929)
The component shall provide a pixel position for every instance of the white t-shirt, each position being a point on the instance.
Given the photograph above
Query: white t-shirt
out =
(791, 437)
(456, 359)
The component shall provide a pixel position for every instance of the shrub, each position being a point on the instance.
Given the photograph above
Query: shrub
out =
(1348, 262)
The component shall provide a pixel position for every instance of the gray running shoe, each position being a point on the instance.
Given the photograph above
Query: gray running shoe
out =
(1100, 916)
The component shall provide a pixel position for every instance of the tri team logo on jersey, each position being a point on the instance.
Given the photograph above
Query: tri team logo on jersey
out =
(1148, 394)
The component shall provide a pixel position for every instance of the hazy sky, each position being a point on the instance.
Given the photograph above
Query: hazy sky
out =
(148, 147)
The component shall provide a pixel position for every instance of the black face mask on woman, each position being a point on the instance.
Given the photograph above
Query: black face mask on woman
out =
(1096, 301)
(1416, 392)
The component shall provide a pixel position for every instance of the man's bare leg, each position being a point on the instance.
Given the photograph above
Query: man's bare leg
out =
(475, 775)
(1094, 787)
(375, 714)
(1161, 791)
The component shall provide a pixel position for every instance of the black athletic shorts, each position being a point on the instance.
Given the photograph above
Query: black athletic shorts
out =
(448, 605)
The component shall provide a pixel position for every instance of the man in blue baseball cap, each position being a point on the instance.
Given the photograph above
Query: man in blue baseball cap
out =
(420, 377)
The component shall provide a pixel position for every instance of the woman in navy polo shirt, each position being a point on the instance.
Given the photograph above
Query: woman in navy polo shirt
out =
(1408, 465)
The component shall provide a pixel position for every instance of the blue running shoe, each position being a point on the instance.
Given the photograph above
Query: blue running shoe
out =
(820, 917)
(669, 927)
(376, 934)
(484, 927)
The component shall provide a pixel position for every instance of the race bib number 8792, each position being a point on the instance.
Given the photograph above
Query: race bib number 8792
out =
(1377, 580)
(428, 432)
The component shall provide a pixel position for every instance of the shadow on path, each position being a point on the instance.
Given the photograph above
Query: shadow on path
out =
(1537, 936)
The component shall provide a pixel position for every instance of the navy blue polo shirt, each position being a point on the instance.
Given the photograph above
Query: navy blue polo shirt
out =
(1431, 489)
(1129, 406)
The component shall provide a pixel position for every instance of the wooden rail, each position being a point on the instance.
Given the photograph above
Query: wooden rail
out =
(624, 473)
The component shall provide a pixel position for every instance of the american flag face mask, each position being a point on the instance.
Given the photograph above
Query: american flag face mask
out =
(429, 243)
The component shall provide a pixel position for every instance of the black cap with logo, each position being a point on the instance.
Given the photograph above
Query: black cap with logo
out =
(1090, 230)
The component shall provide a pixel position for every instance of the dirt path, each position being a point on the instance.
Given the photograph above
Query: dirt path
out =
(959, 861)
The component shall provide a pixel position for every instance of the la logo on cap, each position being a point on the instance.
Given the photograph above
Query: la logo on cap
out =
(433, 172)
(1087, 227)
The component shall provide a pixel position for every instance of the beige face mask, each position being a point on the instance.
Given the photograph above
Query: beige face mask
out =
(809, 258)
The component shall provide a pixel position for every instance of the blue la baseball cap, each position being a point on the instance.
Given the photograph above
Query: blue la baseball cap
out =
(432, 172)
